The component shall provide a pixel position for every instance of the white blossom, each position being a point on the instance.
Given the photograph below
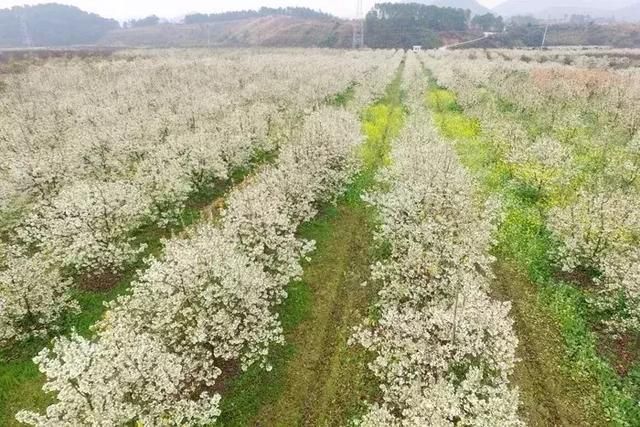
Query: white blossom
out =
(209, 300)
(33, 297)
(443, 349)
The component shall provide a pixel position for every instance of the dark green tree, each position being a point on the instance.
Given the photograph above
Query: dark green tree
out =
(488, 22)
(149, 21)
(403, 25)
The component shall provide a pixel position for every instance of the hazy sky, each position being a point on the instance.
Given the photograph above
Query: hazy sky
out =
(124, 9)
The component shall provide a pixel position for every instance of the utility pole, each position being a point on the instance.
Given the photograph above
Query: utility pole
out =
(544, 38)
(358, 27)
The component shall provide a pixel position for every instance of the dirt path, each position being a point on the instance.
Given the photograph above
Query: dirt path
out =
(452, 46)
(549, 396)
(327, 379)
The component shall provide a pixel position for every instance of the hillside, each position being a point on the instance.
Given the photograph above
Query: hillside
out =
(619, 36)
(264, 31)
(51, 25)
(273, 31)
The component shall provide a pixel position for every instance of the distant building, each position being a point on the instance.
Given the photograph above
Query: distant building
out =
(417, 48)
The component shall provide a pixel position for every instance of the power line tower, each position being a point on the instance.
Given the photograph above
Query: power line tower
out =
(358, 27)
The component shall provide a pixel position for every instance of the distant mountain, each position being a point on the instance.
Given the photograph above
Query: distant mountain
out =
(558, 8)
(472, 5)
(51, 25)
(629, 14)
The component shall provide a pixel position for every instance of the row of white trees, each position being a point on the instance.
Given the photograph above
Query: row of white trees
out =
(444, 349)
(211, 299)
(96, 150)
(572, 55)
(578, 144)
(561, 99)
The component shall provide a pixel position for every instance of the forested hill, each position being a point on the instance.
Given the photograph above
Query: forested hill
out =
(402, 25)
(293, 12)
(51, 25)
(388, 25)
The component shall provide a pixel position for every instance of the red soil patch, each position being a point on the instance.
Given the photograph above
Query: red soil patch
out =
(99, 282)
